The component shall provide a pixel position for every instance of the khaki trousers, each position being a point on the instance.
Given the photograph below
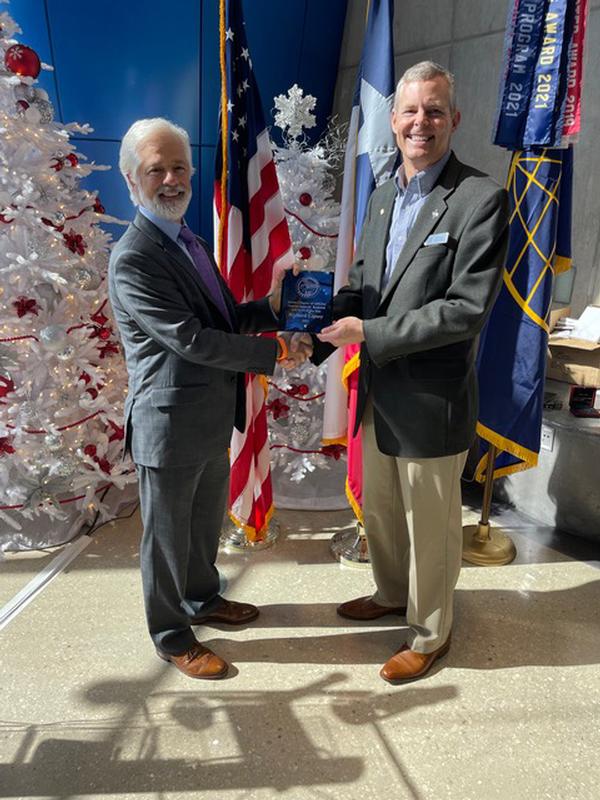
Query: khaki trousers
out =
(413, 523)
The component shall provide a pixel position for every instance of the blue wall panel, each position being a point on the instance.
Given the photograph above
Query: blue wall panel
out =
(117, 62)
(125, 61)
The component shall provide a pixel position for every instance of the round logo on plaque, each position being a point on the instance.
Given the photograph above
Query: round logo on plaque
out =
(307, 287)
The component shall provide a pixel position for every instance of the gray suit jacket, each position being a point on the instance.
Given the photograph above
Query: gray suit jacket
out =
(421, 333)
(185, 363)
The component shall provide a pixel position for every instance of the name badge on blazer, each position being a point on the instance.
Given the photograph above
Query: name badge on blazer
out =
(437, 238)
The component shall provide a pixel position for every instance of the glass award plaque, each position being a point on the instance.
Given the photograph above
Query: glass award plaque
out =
(306, 301)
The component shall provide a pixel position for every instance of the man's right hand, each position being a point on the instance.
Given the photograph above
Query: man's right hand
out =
(300, 348)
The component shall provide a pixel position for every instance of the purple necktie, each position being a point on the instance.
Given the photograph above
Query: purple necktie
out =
(205, 269)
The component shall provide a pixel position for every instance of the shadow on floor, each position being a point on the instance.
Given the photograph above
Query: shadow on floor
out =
(272, 745)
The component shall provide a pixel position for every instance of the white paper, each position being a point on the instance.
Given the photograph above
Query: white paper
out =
(588, 325)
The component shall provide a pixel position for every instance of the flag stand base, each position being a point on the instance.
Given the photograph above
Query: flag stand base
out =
(234, 540)
(350, 547)
(486, 547)
(483, 545)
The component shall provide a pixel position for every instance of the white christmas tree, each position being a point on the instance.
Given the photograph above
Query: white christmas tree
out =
(62, 377)
(295, 403)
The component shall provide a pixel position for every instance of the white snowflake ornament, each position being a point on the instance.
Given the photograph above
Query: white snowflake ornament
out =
(295, 112)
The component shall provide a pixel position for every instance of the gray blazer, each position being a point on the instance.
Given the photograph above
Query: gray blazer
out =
(185, 363)
(421, 333)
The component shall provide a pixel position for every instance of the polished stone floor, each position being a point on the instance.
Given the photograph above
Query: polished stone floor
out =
(513, 712)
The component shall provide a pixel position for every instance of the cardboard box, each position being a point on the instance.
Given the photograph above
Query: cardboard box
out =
(574, 361)
(556, 314)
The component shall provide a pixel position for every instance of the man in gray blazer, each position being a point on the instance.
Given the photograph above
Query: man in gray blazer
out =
(426, 274)
(182, 335)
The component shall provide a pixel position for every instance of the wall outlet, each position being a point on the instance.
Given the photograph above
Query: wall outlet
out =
(547, 440)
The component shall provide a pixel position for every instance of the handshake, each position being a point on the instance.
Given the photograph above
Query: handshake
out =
(299, 349)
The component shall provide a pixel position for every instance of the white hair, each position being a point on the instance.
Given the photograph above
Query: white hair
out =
(427, 71)
(129, 159)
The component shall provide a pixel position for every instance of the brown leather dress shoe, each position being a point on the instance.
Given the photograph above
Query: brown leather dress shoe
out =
(228, 612)
(407, 665)
(197, 662)
(365, 608)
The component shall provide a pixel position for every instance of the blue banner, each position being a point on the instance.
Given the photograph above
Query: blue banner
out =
(533, 89)
(544, 118)
(522, 44)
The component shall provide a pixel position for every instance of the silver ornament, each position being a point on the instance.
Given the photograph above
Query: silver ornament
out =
(66, 353)
(53, 442)
(299, 431)
(86, 280)
(53, 337)
(45, 109)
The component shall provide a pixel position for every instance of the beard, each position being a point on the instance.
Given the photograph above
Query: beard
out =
(172, 210)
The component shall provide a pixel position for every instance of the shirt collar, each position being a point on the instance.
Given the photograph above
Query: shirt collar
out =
(167, 226)
(423, 182)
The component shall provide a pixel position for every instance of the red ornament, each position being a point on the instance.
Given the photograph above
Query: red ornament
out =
(6, 448)
(58, 165)
(85, 377)
(105, 333)
(98, 207)
(99, 318)
(22, 60)
(305, 199)
(72, 159)
(6, 386)
(305, 253)
(298, 390)
(74, 242)
(93, 393)
(90, 450)
(26, 305)
(22, 105)
(3, 219)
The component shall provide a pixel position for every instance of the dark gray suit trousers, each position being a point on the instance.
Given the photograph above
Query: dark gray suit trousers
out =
(182, 512)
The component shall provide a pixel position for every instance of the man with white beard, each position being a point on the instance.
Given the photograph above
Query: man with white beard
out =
(186, 355)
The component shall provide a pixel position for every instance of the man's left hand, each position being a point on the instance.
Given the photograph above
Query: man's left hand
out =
(348, 330)
(275, 290)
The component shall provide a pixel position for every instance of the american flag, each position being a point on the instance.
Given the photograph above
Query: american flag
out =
(251, 241)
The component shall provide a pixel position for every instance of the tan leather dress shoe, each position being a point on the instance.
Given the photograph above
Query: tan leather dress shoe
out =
(407, 665)
(365, 608)
(227, 612)
(197, 662)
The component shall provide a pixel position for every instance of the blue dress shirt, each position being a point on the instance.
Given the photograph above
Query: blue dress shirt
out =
(410, 198)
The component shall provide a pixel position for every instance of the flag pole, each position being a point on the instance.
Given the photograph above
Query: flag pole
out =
(483, 545)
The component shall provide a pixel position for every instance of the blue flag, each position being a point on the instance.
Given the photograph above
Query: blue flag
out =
(512, 350)
(542, 51)
(376, 153)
